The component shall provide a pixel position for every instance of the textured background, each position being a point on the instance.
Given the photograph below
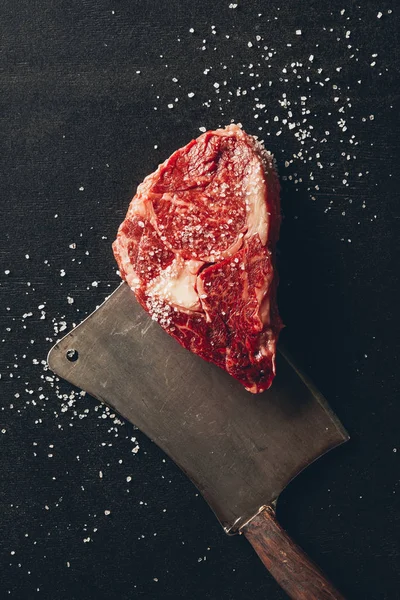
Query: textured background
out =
(94, 94)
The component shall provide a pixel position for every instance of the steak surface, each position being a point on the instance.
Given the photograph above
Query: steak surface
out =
(197, 248)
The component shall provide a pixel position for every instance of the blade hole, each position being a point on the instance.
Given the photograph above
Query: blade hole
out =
(72, 355)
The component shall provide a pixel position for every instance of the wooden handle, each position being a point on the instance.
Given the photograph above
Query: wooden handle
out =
(288, 564)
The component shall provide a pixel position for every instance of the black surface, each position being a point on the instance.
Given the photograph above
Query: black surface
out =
(75, 113)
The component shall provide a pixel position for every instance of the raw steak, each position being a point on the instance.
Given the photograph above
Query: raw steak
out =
(197, 248)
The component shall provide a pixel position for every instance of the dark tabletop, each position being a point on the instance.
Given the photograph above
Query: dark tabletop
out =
(94, 94)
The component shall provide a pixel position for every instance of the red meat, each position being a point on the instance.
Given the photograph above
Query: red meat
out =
(197, 248)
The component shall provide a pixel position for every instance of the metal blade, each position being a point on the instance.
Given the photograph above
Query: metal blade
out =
(240, 450)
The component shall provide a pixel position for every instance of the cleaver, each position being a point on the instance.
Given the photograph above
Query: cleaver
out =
(239, 449)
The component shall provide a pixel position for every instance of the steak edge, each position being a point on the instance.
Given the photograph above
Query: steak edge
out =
(197, 248)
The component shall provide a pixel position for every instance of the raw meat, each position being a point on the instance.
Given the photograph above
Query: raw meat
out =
(197, 248)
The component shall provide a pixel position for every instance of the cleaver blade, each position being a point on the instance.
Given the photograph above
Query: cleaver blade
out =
(239, 449)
